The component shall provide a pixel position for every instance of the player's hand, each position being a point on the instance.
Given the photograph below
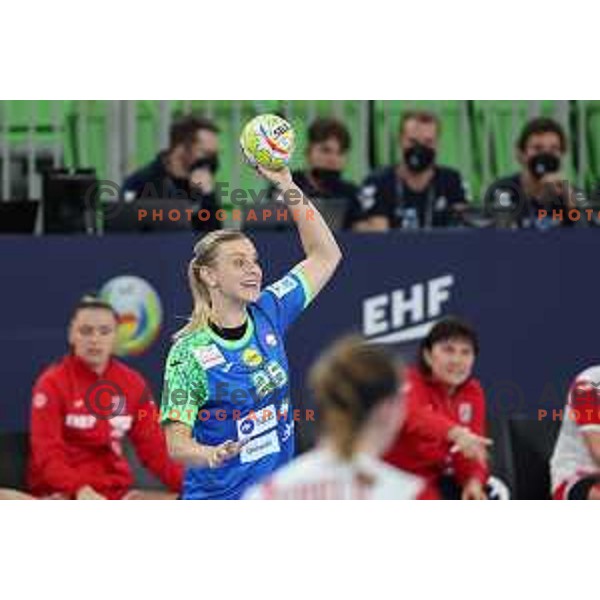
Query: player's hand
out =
(473, 490)
(281, 178)
(223, 452)
(556, 179)
(87, 492)
(469, 444)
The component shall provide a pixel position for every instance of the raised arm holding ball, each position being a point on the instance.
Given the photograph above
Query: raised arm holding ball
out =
(226, 400)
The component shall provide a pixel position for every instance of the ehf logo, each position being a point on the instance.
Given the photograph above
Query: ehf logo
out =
(405, 314)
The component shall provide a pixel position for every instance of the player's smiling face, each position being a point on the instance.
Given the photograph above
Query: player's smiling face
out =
(237, 270)
(451, 361)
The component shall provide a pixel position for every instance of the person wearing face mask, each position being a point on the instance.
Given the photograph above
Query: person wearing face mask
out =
(444, 435)
(186, 170)
(326, 156)
(516, 201)
(417, 193)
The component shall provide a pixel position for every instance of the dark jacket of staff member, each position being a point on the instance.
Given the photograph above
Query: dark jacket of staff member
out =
(516, 200)
(417, 193)
(186, 170)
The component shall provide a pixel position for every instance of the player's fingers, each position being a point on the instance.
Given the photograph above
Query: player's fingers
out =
(468, 451)
(236, 448)
(231, 448)
(485, 441)
(261, 171)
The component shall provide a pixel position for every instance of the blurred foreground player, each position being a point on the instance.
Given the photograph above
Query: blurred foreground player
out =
(357, 388)
(82, 408)
(575, 463)
(443, 436)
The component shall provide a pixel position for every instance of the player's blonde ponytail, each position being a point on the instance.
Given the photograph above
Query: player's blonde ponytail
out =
(348, 382)
(205, 252)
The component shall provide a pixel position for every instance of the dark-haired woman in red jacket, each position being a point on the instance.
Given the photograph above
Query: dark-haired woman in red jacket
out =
(443, 437)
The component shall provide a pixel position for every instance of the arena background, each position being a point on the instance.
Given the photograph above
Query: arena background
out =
(531, 295)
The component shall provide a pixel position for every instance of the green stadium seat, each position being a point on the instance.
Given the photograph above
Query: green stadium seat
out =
(592, 140)
(478, 137)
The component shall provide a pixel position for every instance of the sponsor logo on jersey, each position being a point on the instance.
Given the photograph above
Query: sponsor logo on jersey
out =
(261, 446)
(283, 286)
(252, 357)
(247, 427)
(40, 400)
(465, 412)
(257, 422)
(80, 421)
(209, 356)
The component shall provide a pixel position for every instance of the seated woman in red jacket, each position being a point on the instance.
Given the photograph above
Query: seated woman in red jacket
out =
(443, 437)
(82, 408)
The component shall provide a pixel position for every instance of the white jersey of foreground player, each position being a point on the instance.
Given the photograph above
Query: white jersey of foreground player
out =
(571, 458)
(322, 475)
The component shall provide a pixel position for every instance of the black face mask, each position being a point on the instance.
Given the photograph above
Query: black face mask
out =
(419, 158)
(543, 163)
(326, 177)
(210, 162)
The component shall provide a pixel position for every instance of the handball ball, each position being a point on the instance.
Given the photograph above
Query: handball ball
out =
(268, 140)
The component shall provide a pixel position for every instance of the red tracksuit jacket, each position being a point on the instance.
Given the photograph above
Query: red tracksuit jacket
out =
(422, 446)
(74, 444)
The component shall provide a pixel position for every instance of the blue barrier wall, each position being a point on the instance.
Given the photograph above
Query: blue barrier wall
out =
(532, 296)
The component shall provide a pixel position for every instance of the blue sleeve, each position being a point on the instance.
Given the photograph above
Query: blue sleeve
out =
(284, 300)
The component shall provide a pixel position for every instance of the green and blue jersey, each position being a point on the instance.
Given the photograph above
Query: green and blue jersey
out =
(238, 390)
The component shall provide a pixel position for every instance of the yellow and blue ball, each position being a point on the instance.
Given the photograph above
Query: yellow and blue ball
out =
(268, 141)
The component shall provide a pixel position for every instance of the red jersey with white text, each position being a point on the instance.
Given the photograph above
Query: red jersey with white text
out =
(78, 422)
(322, 475)
(422, 446)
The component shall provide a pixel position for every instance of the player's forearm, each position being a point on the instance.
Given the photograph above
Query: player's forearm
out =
(185, 450)
(317, 239)
(191, 454)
